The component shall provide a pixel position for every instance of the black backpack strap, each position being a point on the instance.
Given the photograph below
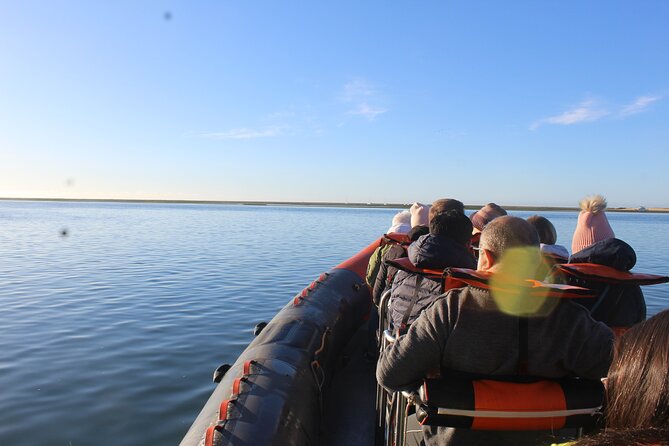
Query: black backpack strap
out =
(523, 345)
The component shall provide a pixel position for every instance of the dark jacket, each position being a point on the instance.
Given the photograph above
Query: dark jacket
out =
(464, 331)
(386, 272)
(615, 305)
(430, 252)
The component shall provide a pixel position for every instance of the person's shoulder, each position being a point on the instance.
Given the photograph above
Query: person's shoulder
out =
(451, 298)
(394, 252)
(571, 308)
(568, 310)
(572, 314)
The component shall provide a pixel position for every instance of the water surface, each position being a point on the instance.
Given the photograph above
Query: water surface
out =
(114, 316)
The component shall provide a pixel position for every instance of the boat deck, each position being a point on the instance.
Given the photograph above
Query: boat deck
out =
(350, 402)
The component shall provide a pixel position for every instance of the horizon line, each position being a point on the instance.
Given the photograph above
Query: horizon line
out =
(318, 203)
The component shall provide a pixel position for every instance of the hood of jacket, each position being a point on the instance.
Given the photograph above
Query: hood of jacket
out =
(609, 252)
(556, 250)
(439, 252)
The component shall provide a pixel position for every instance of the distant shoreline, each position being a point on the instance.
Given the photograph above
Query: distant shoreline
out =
(319, 204)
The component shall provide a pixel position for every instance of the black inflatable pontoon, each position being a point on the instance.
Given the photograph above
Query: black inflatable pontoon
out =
(304, 377)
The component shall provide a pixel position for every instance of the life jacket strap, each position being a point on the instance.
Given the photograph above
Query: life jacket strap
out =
(523, 345)
(404, 264)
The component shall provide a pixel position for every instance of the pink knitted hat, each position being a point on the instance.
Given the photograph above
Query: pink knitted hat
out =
(592, 225)
(485, 215)
(420, 214)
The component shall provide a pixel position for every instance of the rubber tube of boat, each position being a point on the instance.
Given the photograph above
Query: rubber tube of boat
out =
(272, 394)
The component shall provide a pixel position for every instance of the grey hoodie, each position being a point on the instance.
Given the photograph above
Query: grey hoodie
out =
(464, 331)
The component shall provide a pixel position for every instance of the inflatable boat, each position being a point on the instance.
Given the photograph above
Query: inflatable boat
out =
(308, 378)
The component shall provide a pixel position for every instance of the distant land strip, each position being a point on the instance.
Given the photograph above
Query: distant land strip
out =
(324, 204)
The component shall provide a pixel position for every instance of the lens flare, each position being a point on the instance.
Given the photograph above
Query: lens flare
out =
(510, 288)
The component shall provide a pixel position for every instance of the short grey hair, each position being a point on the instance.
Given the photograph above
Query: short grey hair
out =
(508, 232)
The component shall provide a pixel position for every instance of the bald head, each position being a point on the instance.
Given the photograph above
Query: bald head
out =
(507, 232)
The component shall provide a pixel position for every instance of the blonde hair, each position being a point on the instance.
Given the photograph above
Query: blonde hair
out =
(593, 203)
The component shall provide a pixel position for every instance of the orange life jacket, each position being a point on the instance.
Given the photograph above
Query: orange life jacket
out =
(460, 277)
(607, 274)
(592, 272)
(405, 264)
(519, 403)
(395, 238)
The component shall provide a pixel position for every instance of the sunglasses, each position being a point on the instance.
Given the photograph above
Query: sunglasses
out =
(478, 251)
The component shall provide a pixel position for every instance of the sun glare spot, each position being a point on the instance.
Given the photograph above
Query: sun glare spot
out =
(512, 292)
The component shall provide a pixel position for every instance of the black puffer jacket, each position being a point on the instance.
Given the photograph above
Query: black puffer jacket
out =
(615, 305)
(386, 273)
(431, 252)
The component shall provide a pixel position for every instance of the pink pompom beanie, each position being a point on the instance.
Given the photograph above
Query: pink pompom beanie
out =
(485, 215)
(592, 225)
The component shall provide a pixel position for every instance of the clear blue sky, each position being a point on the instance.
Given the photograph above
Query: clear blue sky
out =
(518, 102)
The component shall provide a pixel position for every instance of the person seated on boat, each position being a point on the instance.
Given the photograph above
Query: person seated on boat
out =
(624, 437)
(387, 272)
(465, 331)
(482, 217)
(446, 245)
(618, 306)
(548, 238)
(551, 253)
(592, 226)
(637, 387)
(401, 224)
(593, 242)
(420, 220)
(420, 214)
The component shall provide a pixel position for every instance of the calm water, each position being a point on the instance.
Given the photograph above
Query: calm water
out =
(111, 332)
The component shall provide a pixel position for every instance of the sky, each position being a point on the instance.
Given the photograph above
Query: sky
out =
(519, 102)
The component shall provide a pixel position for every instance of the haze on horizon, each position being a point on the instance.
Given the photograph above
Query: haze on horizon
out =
(521, 103)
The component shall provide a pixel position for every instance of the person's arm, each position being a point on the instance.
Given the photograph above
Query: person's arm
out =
(380, 283)
(403, 364)
(373, 266)
(591, 346)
